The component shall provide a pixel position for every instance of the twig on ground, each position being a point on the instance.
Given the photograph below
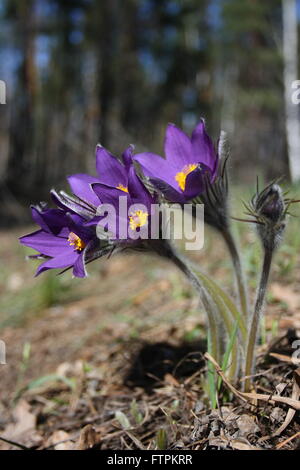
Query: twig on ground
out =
(248, 397)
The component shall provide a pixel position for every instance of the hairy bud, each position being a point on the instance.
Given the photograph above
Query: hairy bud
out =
(270, 209)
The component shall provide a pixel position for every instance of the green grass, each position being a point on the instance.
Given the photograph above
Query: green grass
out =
(28, 301)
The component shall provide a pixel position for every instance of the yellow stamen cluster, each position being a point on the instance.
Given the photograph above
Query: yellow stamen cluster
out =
(138, 219)
(181, 176)
(75, 241)
(122, 188)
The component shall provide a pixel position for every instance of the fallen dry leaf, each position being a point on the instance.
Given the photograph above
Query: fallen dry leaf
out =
(170, 379)
(295, 395)
(284, 358)
(88, 438)
(240, 444)
(23, 429)
(60, 440)
(247, 425)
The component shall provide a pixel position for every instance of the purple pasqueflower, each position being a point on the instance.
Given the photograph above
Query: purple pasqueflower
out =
(63, 241)
(189, 164)
(127, 213)
(111, 172)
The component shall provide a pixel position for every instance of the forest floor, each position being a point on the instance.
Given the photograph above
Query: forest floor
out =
(116, 361)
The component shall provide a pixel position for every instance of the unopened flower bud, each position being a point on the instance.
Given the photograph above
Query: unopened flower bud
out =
(270, 211)
(270, 203)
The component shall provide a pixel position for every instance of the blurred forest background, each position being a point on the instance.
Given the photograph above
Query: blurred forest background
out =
(117, 71)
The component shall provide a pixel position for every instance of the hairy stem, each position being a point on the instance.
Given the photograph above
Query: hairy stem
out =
(236, 261)
(212, 323)
(259, 304)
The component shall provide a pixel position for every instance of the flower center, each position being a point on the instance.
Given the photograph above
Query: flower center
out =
(138, 219)
(75, 241)
(122, 188)
(181, 176)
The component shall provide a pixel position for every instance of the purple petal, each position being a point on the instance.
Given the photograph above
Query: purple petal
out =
(168, 191)
(138, 192)
(80, 185)
(110, 170)
(114, 223)
(109, 195)
(79, 269)
(62, 261)
(76, 225)
(79, 266)
(127, 156)
(203, 148)
(178, 147)
(38, 219)
(46, 243)
(195, 182)
(50, 220)
(94, 221)
(155, 166)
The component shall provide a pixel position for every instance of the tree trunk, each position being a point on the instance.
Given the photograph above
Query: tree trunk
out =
(290, 56)
(21, 159)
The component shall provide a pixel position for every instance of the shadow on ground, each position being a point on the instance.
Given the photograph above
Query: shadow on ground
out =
(154, 361)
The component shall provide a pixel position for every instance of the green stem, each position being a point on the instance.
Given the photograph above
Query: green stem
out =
(250, 359)
(212, 323)
(236, 261)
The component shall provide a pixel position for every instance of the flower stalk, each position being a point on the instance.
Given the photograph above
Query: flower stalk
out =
(239, 274)
(217, 215)
(204, 296)
(255, 320)
(217, 313)
(269, 209)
